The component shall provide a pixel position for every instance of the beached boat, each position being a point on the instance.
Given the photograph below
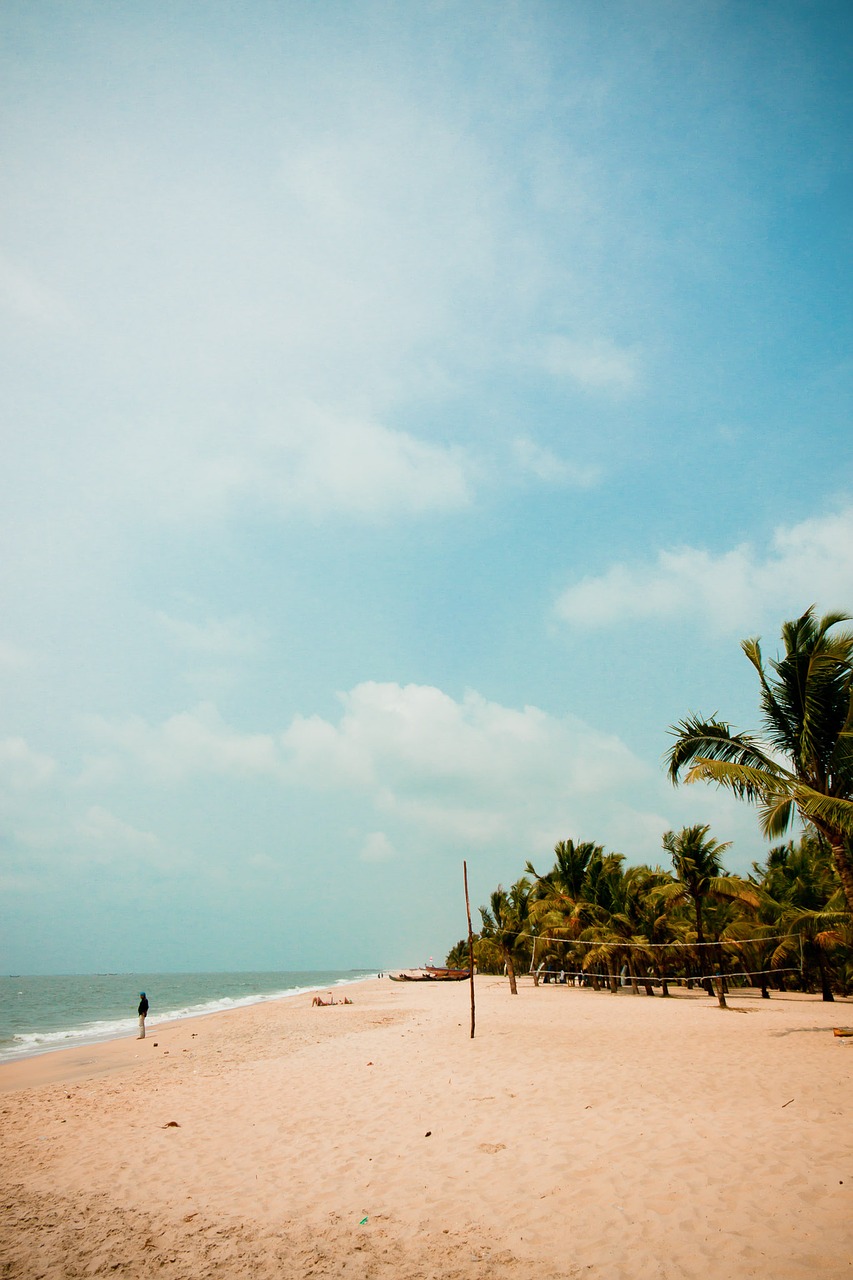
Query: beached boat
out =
(431, 975)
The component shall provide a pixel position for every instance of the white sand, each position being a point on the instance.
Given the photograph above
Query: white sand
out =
(580, 1134)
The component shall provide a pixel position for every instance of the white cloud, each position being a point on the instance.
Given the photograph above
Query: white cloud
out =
(187, 744)
(810, 562)
(263, 862)
(13, 658)
(106, 839)
(595, 364)
(547, 466)
(307, 459)
(215, 637)
(377, 848)
(22, 768)
(317, 461)
(26, 298)
(471, 770)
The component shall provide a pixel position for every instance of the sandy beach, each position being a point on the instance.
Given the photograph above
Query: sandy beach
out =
(580, 1134)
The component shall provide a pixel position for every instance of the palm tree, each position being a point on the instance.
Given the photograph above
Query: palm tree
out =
(805, 765)
(601, 897)
(819, 937)
(558, 902)
(697, 861)
(505, 923)
(458, 955)
(652, 931)
(619, 934)
(570, 867)
(798, 881)
(667, 929)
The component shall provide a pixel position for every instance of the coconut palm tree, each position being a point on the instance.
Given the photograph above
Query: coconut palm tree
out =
(559, 906)
(798, 881)
(700, 878)
(570, 867)
(668, 930)
(651, 927)
(805, 763)
(819, 938)
(458, 955)
(619, 934)
(506, 923)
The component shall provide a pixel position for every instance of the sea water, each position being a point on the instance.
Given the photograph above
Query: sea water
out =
(40, 1014)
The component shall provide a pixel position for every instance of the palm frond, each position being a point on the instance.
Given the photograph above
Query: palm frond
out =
(779, 718)
(713, 740)
(824, 811)
(747, 781)
(733, 889)
(777, 814)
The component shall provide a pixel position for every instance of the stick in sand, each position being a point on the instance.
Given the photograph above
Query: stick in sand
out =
(470, 944)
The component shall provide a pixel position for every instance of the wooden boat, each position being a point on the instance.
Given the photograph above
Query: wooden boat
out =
(431, 975)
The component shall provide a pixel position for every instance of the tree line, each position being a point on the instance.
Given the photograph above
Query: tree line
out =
(789, 923)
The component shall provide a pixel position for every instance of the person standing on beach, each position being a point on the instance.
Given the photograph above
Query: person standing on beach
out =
(142, 1011)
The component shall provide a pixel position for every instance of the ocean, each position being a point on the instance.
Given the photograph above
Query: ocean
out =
(40, 1014)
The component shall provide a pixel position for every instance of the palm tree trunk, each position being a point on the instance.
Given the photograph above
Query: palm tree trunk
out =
(844, 867)
(510, 973)
(826, 989)
(721, 966)
(700, 938)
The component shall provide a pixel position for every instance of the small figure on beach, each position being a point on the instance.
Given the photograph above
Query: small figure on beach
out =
(318, 1000)
(143, 1013)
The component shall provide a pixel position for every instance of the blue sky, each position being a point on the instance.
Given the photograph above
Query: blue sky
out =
(406, 411)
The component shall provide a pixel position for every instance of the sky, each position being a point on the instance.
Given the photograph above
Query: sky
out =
(406, 411)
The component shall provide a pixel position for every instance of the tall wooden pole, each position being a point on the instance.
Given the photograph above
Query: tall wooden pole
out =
(470, 945)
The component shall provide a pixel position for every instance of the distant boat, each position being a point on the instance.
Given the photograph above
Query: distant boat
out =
(431, 974)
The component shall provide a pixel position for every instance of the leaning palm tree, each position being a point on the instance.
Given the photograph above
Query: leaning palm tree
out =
(505, 923)
(805, 763)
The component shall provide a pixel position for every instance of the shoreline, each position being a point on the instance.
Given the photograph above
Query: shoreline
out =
(84, 1061)
(85, 1039)
(578, 1134)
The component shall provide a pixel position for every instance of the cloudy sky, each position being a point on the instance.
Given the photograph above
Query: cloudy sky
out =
(406, 411)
